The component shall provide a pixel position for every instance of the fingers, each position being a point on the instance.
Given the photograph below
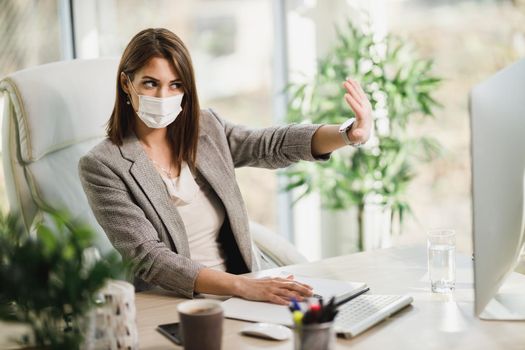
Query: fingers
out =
(278, 295)
(299, 288)
(353, 87)
(289, 295)
(290, 279)
(360, 105)
(277, 299)
(352, 102)
(280, 291)
(290, 290)
(358, 88)
(287, 289)
(353, 92)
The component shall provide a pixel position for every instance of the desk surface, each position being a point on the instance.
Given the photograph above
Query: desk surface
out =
(432, 322)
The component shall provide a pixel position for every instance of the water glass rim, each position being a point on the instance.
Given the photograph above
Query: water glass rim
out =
(441, 232)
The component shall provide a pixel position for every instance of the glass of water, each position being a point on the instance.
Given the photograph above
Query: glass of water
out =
(441, 248)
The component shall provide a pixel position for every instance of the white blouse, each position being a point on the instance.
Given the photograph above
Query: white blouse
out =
(203, 215)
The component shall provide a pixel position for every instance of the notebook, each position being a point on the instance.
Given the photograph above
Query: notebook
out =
(257, 311)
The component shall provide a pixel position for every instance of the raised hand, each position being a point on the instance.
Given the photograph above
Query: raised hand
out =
(356, 98)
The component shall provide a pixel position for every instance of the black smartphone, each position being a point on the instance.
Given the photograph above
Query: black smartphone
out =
(171, 331)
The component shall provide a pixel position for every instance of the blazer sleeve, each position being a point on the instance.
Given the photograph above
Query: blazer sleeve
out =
(131, 233)
(273, 147)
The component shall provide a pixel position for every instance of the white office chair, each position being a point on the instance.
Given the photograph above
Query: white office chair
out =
(53, 115)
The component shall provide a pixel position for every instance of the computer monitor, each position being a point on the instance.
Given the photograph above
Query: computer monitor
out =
(497, 116)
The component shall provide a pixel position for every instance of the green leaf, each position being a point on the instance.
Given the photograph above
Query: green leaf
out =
(44, 278)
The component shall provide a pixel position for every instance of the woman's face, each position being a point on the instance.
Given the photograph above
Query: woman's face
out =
(157, 78)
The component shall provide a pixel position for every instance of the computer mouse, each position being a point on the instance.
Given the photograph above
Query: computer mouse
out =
(267, 331)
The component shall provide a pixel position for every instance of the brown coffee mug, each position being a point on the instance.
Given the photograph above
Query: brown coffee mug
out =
(201, 324)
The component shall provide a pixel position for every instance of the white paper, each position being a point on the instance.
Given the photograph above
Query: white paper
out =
(256, 311)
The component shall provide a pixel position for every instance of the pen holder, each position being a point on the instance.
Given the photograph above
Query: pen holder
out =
(112, 325)
(318, 336)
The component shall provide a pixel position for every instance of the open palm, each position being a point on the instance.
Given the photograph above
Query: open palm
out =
(357, 100)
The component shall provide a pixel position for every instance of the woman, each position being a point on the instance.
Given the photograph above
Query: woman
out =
(162, 185)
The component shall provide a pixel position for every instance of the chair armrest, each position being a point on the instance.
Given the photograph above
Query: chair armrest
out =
(279, 250)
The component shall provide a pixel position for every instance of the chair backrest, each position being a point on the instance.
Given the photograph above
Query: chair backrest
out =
(54, 114)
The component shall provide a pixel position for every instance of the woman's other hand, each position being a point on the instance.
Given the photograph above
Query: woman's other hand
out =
(276, 290)
(356, 98)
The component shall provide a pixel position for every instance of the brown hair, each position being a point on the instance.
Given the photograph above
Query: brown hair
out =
(183, 132)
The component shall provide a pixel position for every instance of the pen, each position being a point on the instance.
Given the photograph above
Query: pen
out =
(315, 310)
(297, 318)
(341, 302)
(313, 314)
(329, 311)
(295, 305)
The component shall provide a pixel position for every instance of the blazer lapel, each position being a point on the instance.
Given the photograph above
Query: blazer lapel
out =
(212, 166)
(154, 188)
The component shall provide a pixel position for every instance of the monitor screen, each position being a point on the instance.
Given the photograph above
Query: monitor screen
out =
(497, 113)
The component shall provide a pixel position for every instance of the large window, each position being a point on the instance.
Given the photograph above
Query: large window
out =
(232, 43)
(469, 41)
(29, 35)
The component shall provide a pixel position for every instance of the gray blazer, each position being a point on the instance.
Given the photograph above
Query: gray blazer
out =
(131, 203)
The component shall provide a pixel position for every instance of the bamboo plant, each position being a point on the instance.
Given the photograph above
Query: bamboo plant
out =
(400, 87)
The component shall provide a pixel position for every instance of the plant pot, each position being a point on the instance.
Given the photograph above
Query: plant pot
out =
(377, 226)
(112, 325)
(340, 229)
(339, 232)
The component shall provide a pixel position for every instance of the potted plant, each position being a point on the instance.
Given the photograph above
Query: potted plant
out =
(50, 278)
(399, 86)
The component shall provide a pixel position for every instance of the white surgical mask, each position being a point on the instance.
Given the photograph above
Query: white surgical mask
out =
(158, 112)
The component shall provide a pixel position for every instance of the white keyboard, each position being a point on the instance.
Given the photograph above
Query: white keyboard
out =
(364, 311)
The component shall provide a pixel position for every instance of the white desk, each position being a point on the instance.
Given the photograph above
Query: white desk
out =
(432, 322)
